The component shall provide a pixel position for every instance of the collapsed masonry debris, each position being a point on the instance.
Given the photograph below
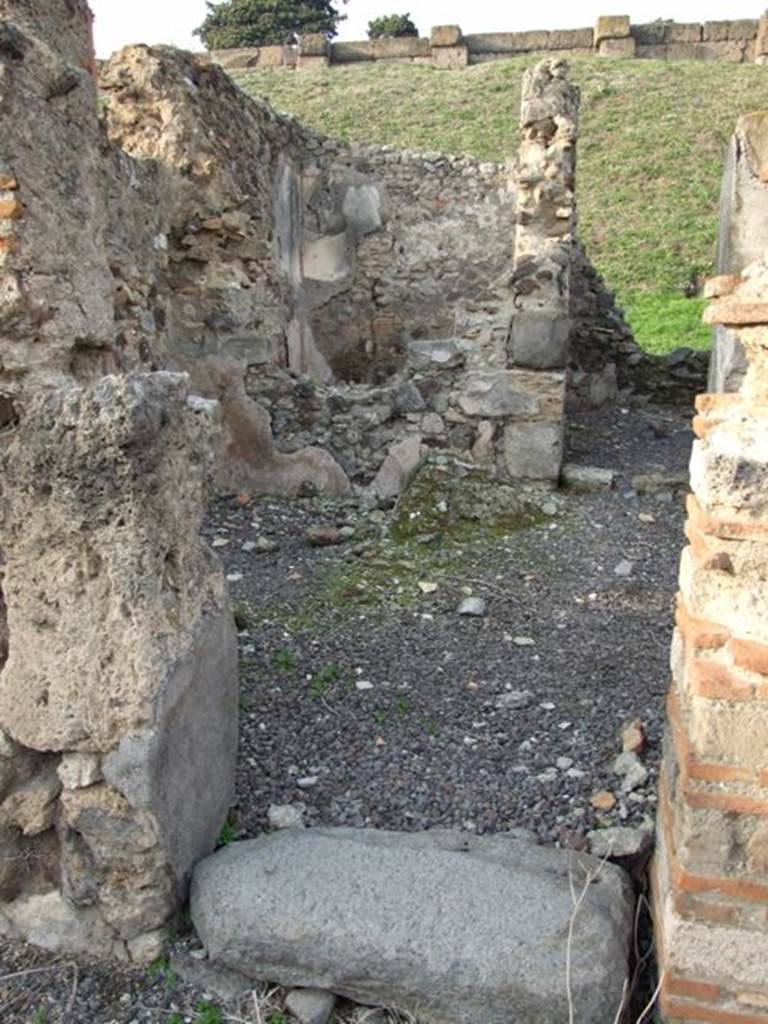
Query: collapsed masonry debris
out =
(711, 871)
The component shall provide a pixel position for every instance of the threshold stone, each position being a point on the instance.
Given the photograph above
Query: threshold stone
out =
(455, 928)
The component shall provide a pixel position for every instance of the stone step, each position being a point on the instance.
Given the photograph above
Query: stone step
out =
(454, 928)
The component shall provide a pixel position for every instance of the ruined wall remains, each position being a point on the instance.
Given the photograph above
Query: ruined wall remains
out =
(313, 277)
(742, 235)
(118, 703)
(711, 869)
(473, 386)
(447, 48)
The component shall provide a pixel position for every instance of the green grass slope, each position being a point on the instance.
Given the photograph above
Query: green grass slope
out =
(653, 135)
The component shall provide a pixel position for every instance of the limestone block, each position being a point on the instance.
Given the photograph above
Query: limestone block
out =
(617, 47)
(507, 42)
(761, 45)
(239, 58)
(445, 35)
(512, 393)
(76, 771)
(314, 44)
(715, 31)
(533, 450)
(611, 27)
(400, 48)
(729, 468)
(745, 28)
(682, 33)
(450, 58)
(733, 733)
(138, 660)
(655, 51)
(539, 340)
(571, 39)
(444, 354)
(276, 56)
(402, 461)
(435, 894)
(311, 61)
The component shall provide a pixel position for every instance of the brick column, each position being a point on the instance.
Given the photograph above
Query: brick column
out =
(711, 867)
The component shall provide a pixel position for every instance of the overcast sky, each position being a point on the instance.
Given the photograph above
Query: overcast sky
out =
(172, 21)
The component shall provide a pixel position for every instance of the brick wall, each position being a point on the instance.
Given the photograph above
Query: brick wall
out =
(711, 867)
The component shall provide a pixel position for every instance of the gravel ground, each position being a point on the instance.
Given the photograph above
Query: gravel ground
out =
(370, 700)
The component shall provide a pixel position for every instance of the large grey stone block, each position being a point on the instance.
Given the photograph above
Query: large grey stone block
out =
(457, 929)
(533, 451)
(539, 340)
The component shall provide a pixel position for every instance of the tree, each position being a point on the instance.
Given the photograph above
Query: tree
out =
(390, 26)
(232, 23)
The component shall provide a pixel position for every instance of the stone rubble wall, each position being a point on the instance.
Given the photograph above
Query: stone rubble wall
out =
(118, 683)
(307, 284)
(711, 867)
(742, 234)
(447, 48)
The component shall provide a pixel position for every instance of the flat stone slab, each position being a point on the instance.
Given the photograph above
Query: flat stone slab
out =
(456, 929)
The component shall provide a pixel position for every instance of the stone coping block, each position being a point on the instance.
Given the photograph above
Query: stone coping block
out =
(380, 49)
(611, 26)
(445, 35)
(451, 927)
(315, 44)
(507, 42)
(656, 33)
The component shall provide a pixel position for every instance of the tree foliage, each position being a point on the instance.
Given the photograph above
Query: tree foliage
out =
(390, 26)
(231, 23)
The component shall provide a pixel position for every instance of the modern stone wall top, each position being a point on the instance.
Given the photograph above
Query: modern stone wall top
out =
(741, 41)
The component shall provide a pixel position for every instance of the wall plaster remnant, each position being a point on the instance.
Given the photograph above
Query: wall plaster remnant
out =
(742, 235)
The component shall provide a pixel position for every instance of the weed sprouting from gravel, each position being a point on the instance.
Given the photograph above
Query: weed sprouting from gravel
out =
(324, 680)
(286, 660)
(161, 969)
(208, 1013)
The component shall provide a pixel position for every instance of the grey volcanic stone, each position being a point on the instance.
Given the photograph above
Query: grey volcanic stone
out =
(310, 1005)
(457, 929)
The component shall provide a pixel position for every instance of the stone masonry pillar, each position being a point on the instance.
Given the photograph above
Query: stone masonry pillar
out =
(118, 664)
(711, 866)
(544, 247)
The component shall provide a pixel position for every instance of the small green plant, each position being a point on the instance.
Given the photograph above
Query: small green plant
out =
(40, 1016)
(227, 835)
(161, 969)
(391, 26)
(278, 1017)
(208, 1013)
(286, 660)
(401, 705)
(380, 717)
(324, 680)
(176, 1018)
